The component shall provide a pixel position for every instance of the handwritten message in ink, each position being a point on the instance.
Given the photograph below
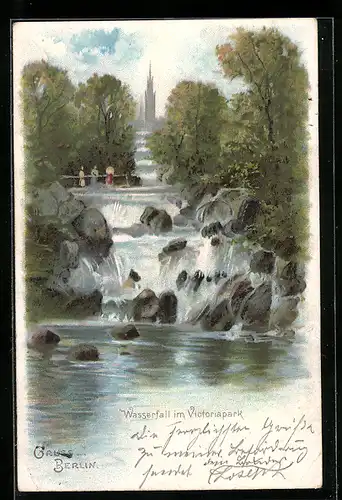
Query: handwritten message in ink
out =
(222, 449)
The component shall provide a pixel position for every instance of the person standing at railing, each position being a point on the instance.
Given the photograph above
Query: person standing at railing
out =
(81, 178)
(94, 176)
(109, 178)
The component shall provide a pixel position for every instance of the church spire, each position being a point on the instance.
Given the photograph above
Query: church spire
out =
(150, 98)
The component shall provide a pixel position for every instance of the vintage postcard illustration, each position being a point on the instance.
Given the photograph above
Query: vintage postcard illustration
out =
(167, 255)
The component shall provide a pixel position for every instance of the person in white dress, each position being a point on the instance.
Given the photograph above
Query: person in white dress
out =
(82, 179)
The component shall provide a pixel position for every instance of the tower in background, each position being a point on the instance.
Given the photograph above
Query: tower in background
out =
(150, 100)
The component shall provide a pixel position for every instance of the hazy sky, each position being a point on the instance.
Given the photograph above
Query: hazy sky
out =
(176, 49)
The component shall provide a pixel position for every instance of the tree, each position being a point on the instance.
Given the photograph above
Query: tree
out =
(189, 142)
(105, 109)
(48, 119)
(269, 121)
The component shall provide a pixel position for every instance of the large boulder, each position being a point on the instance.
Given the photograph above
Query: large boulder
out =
(239, 293)
(44, 204)
(248, 211)
(92, 228)
(262, 262)
(126, 332)
(84, 352)
(69, 254)
(59, 192)
(92, 225)
(233, 228)
(148, 215)
(85, 305)
(145, 306)
(161, 223)
(70, 209)
(43, 338)
(181, 221)
(188, 212)
(167, 307)
(218, 318)
(257, 305)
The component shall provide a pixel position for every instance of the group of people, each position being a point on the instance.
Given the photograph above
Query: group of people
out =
(94, 176)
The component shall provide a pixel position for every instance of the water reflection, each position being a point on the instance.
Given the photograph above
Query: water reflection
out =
(73, 402)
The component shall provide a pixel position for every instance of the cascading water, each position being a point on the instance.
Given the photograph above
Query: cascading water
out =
(122, 208)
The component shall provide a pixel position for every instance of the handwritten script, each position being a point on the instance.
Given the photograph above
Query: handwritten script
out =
(220, 451)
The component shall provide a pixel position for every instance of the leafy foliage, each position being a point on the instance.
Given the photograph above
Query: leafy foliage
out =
(257, 141)
(66, 127)
(189, 142)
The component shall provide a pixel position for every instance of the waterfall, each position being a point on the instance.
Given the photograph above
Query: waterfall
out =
(122, 209)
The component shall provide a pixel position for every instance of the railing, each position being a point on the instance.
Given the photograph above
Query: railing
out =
(125, 178)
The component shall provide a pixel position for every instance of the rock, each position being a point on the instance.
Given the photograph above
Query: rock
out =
(286, 248)
(196, 193)
(59, 192)
(134, 276)
(175, 245)
(161, 223)
(167, 307)
(69, 254)
(219, 318)
(239, 293)
(292, 271)
(43, 338)
(89, 304)
(285, 313)
(211, 229)
(148, 215)
(188, 212)
(180, 220)
(292, 287)
(257, 305)
(158, 220)
(84, 352)
(215, 207)
(127, 332)
(262, 262)
(134, 180)
(136, 230)
(93, 230)
(248, 211)
(70, 209)
(92, 225)
(197, 314)
(58, 282)
(209, 279)
(44, 204)
(145, 306)
(215, 241)
(181, 279)
(175, 201)
(232, 228)
(196, 280)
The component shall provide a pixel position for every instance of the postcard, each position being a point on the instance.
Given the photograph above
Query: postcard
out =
(167, 290)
